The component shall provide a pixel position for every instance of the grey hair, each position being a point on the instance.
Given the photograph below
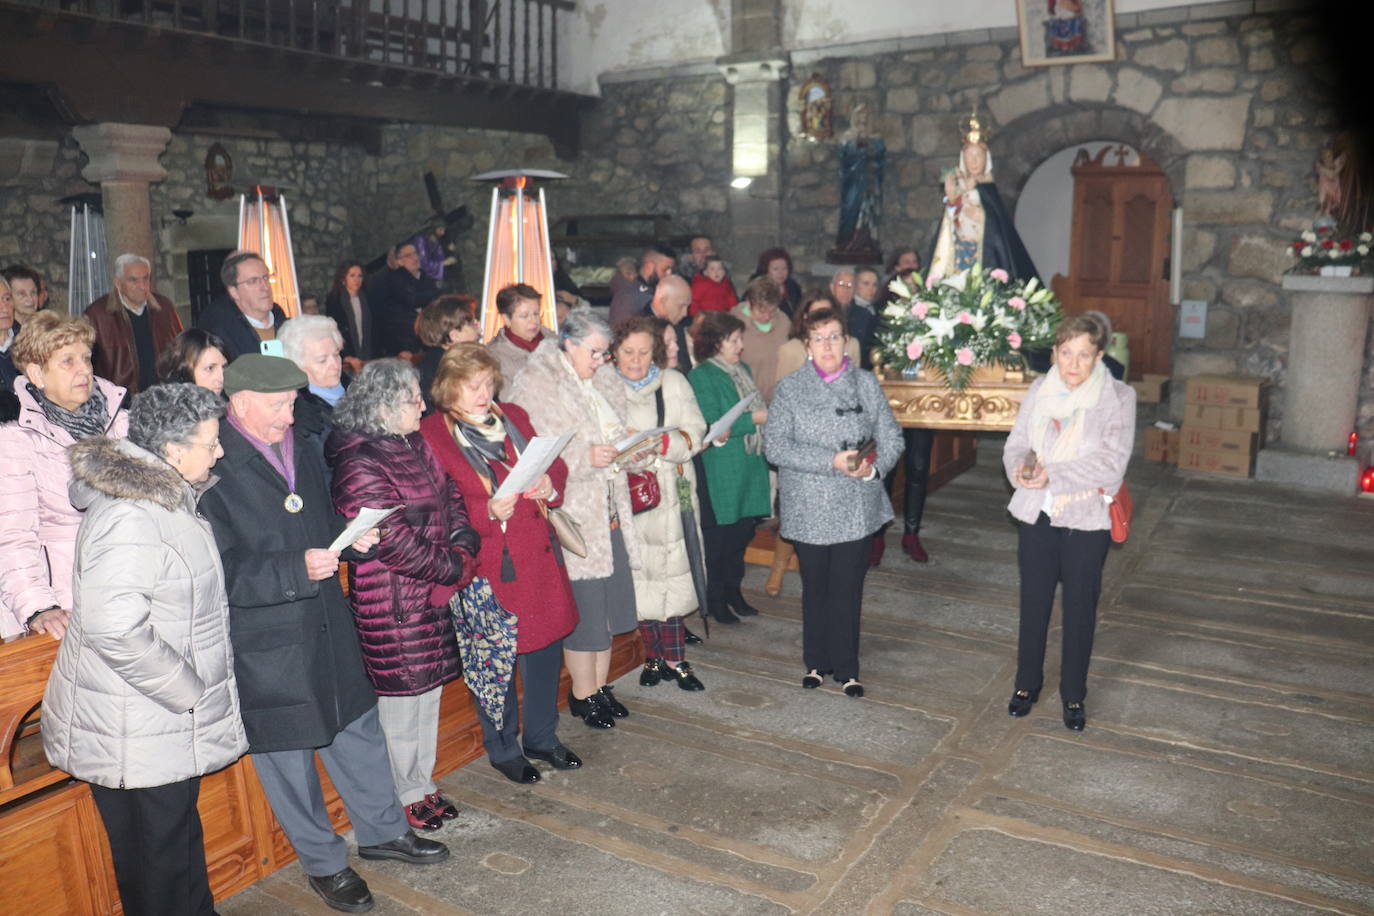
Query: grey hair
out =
(294, 334)
(1105, 321)
(371, 402)
(124, 260)
(170, 413)
(581, 324)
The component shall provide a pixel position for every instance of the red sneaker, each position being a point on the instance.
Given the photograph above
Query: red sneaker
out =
(911, 543)
(422, 817)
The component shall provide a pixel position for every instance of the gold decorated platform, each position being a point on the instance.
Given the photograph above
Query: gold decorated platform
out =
(990, 401)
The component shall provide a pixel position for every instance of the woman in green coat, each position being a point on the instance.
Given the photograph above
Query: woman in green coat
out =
(735, 471)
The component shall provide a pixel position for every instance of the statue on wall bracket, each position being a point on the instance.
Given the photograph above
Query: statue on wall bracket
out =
(862, 159)
(219, 173)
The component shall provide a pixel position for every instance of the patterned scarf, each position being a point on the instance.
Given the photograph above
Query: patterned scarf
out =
(744, 385)
(643, 383)
(484, 435)
(90, 419)
(1063, 408)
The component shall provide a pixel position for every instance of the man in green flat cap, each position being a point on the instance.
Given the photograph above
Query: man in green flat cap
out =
(301, 682)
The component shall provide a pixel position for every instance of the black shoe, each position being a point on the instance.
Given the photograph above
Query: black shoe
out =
(812, 679)
(559, 757)
(852, 688)
(1075, 717)
(407, 848)
(740, 606)
(1022, 701)
(593, 710)
(685, 678)
(722, 613)
(517, 769)
(652, 673)
(345, 891)
(615, 706)
(690, 638)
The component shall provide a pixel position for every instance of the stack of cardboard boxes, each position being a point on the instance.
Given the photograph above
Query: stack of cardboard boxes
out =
(1222, 423)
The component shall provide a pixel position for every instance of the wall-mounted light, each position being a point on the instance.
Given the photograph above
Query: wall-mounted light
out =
(742, 182)
(517, 245)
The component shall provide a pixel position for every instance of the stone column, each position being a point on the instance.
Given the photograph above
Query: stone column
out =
(123, 161)
(758, 112)
(1330, 318)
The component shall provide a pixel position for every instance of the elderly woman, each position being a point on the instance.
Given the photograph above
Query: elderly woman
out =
(400, 591)
(664, 589)
(195, 356)
(1065, 456)
(831, 496)
(60, 403)
(766, 329)
(736, 473)
(478, 441)
(347, 305)
(776, 264)
(519, 305)
(313, 343)
(446, 321)
(566, 386)
(141, 701)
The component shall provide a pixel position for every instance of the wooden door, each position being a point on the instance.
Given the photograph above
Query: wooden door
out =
(1119, 257)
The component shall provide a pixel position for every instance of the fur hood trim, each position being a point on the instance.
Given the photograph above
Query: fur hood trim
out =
(122, 470)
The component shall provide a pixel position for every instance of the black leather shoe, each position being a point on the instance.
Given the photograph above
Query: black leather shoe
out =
(852, 688)
(740, 606)
(593, 711)
(345, 891)
(722, 613)
(407, 848)
(652, 673)
(690, 638)
(812, 679)
(684, 676)
(517, 769)
(1022, 701)
(616, 707)
(559, 757)
(1075, 717)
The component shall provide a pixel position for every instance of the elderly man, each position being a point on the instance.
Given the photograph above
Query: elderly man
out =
(132, 325)
(27, 288)
(302, 687)
(9, 329)
(842, 287)
(406, 290)
(654, 264)
(672, 298)
(248, 316)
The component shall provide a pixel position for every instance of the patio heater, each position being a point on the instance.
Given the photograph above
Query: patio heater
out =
(518, 248)
(264, 228)
(88, 271)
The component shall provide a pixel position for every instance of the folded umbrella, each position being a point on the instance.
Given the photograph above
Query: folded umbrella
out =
(486, 634)
(696, 558)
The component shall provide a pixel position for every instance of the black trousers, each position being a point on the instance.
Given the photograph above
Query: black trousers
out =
(1048, 556)
(916, 463)
(539, 672)
(832, 595)
(724, 546)
(158, 848)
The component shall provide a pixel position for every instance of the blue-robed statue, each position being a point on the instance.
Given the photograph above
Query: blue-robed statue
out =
(862, 158)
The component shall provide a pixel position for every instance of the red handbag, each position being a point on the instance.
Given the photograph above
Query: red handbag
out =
(1119, 508)
(644, 491)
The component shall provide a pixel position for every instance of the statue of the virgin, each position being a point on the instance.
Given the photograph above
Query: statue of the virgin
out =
(862, 158)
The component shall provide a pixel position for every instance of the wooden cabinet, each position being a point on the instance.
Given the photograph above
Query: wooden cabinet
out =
(1119, 259)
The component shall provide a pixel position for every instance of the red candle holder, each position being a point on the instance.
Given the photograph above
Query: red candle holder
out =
(1354, 441)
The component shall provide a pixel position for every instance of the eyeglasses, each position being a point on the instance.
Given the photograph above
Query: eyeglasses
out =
(597, 355)
(262, 280)
(845, 284)
(210, 447)
(817, 340)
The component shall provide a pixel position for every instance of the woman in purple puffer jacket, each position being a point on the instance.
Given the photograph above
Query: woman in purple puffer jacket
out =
(400, 593)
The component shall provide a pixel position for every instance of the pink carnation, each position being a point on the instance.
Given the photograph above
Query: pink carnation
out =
(1017, 303)
(965, 318)
(920, 310)
(1014, 340)
(964, 356)
(914, 350)
(998, 273)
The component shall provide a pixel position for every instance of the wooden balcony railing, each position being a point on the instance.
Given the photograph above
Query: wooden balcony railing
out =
(505, 41)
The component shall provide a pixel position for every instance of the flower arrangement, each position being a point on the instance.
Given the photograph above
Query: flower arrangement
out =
(952, 325)
(1319, 247)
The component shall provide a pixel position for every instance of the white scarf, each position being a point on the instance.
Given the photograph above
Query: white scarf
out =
(1057, 403)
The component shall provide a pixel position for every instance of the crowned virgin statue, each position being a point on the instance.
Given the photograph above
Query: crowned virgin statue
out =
(976, 227)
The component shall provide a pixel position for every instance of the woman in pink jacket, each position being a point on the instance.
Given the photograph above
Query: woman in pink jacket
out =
(60, 403)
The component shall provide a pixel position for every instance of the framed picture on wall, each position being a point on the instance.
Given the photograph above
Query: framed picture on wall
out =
(1066, 31)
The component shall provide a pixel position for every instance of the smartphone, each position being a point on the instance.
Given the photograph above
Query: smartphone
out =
(1029, 464)
(271, 348)
(862, 453)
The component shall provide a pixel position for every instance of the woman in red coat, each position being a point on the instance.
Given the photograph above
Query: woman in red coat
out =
(478, 441)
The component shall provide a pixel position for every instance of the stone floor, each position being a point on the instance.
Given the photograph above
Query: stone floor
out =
(1227, 767)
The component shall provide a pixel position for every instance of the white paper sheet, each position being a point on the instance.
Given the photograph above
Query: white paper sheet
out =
(534, 462)
(367, 519)
(630, 444)
(728, 418)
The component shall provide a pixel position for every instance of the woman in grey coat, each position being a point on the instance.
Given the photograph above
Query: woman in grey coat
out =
(141, 701)
(831, 500)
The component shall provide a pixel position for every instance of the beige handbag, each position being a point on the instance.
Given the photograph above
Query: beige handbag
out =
(568, 531)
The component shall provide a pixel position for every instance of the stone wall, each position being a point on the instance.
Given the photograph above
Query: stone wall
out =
(34, 228)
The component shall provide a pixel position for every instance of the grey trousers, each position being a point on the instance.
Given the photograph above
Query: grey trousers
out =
(411, 726)
(358, 766)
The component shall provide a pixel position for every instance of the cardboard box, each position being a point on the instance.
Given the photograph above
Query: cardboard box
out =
(1241, 419)
(1152, 389)
(1162, 445)
(1199, 416)
(1226, 390)
(1230, 464)
(1219, 440)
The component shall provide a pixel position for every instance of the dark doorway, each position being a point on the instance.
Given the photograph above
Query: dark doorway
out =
(202, 276)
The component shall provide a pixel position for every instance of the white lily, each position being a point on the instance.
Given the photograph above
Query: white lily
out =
(941, 327)
(980, 321)
(958, 281)
(1030, 287)
(1039, 297)
(899, 288)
